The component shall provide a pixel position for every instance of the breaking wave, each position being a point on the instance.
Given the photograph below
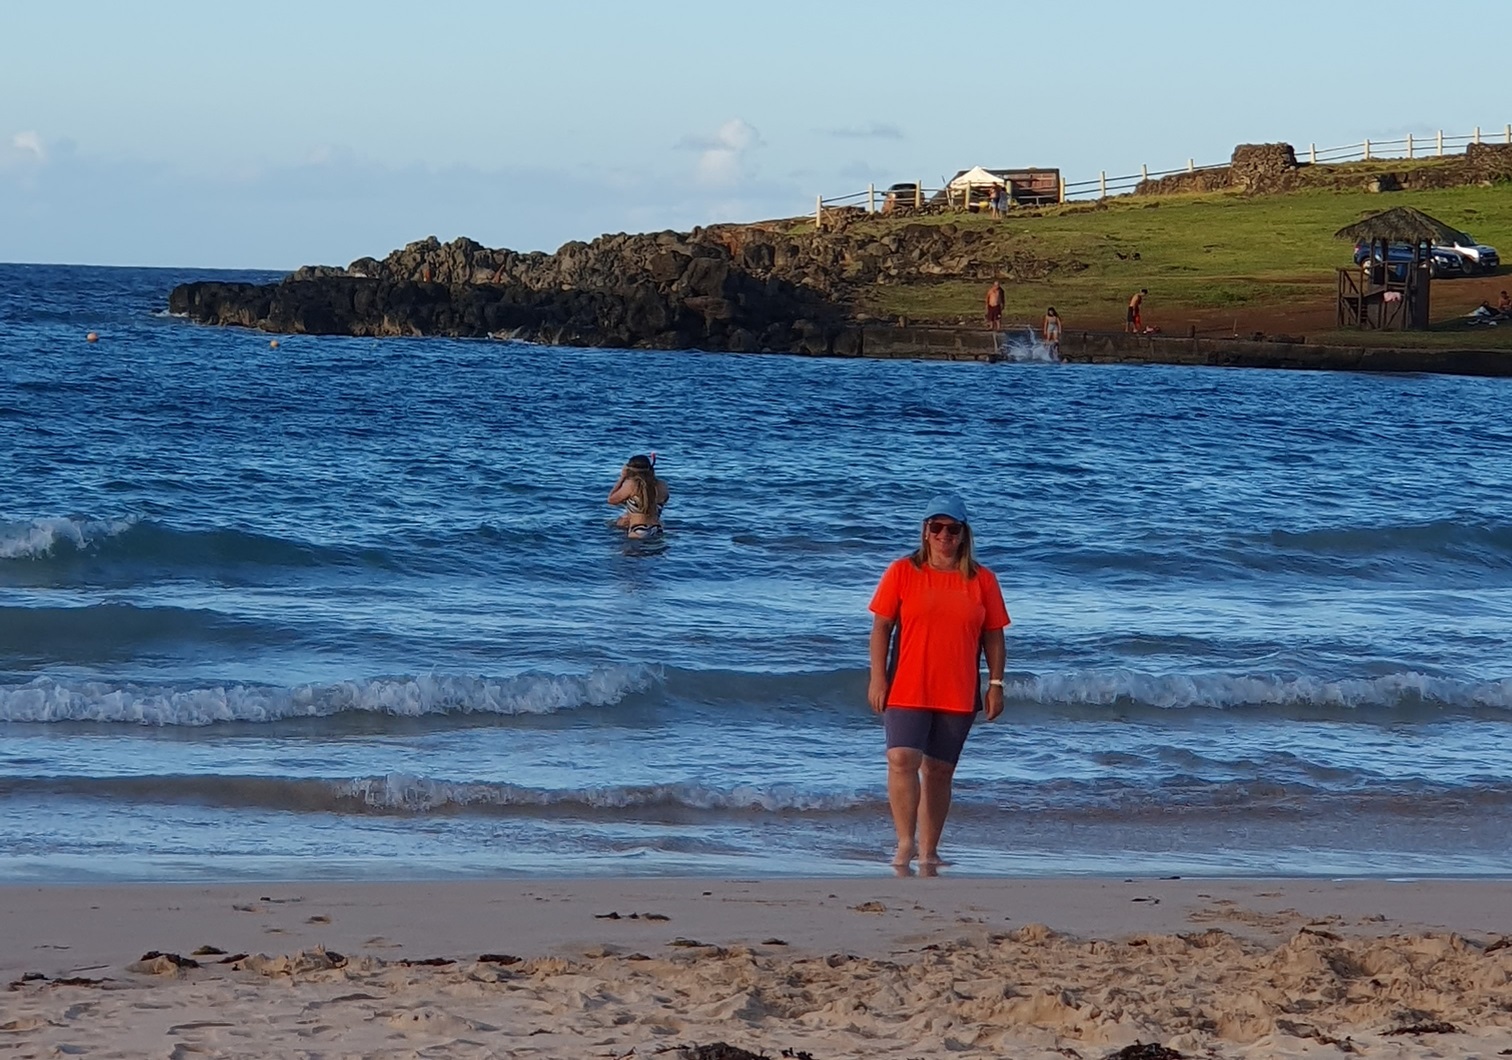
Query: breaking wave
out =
(47, 700)
(1112, 798)
(1400, 697)
(35, 538)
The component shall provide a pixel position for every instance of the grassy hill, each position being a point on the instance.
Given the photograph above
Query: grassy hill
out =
(1226, 263)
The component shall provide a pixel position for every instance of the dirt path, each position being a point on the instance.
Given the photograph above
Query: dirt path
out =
(1451, 299)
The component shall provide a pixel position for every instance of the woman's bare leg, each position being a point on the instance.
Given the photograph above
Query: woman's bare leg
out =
(933, 807)
(903, 797)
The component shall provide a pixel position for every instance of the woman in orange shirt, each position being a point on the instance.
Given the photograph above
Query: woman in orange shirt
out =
(947, 612)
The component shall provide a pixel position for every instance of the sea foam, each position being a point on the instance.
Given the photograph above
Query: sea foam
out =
(30, 539)
(1119, 686)
(47, 700)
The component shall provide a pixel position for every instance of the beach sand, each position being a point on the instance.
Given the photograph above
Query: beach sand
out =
(912, 967)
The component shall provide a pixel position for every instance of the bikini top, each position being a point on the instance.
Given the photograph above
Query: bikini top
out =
(633, 504)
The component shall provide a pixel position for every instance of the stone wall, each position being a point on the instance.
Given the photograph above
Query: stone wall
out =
(1116, 348)
(1263, 167)
(1268, 168)
(1488, 162)
(1202, 180)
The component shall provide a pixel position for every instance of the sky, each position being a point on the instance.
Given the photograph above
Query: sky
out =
(292, 132)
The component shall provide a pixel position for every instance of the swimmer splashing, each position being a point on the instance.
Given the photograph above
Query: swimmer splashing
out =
(643, 496)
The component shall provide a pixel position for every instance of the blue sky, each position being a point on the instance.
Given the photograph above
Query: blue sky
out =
(283, 133)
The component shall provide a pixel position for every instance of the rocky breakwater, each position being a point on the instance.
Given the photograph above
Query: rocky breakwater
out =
(658, 291)
(780, 287)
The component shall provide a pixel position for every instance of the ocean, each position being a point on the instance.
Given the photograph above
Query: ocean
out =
(352, 608)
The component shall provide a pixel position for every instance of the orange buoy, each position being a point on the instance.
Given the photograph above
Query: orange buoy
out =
(92, 337)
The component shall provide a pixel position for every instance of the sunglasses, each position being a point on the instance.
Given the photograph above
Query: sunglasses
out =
(949, 529)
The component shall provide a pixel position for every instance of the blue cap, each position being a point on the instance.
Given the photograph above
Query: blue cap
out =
(947, 504)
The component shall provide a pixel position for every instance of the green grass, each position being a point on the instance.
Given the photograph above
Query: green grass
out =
(1443, 337)
(1198, 254)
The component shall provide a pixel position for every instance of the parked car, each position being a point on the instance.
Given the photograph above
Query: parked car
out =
(1474, 257)
(1442, 262)
(901, 196)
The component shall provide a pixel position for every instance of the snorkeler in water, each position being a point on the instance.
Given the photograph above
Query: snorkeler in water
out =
(643, 496)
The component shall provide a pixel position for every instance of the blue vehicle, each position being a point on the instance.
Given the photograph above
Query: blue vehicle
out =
(1474, 257)
(1442, 261)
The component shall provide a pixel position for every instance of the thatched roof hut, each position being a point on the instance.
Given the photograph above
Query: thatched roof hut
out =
(1401, 224)
(1390, 292)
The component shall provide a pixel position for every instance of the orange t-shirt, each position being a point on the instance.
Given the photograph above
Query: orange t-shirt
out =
(941, 616)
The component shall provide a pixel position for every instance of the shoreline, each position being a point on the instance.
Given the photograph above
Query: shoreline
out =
(926, 342)
(931, 342)
(912, 967)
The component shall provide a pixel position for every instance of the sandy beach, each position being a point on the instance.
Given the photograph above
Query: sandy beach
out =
(912, 967)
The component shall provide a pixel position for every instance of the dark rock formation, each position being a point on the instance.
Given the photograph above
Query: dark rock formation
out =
(1256, 168)
(654, 291)
(740, 316)
(1262, 167)
(781, 287)
(833, 262)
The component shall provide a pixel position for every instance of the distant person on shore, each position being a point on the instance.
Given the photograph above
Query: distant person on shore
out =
(947, 613)
(643, 496)
(1050, 331)
(995, 297)
(999, 200)
(1484, 313)
(1135, 320)
(1504, 304)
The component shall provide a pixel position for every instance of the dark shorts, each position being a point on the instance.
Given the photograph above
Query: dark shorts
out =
(994, 312)
(940, 734)
(1133, 314)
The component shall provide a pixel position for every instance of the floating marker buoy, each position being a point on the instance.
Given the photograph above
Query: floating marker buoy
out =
(272, 344)
(92, 337)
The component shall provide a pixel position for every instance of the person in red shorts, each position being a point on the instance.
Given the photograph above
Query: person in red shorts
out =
(995, 298)
(947, 612)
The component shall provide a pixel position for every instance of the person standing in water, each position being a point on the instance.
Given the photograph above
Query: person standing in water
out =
(947, 612)
(643, 496)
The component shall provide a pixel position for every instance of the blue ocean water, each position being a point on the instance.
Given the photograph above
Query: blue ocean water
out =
(351, 607)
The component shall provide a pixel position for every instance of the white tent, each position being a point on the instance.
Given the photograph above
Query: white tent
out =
(975, 177)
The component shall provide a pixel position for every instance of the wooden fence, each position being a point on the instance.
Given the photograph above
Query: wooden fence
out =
(1103, 186)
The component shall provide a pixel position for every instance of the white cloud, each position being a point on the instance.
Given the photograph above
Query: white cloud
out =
(723, 157)
(30, 141)
(24, 161)
(335, 205)
(874, 131)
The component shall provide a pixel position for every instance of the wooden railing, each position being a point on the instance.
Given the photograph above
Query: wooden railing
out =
(1433, 145)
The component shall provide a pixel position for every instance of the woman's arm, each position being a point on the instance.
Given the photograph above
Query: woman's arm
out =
(881, 638)
(623, 490)
(995, 647)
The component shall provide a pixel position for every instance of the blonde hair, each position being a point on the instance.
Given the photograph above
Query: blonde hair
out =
(966, 558)
(642, 472)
